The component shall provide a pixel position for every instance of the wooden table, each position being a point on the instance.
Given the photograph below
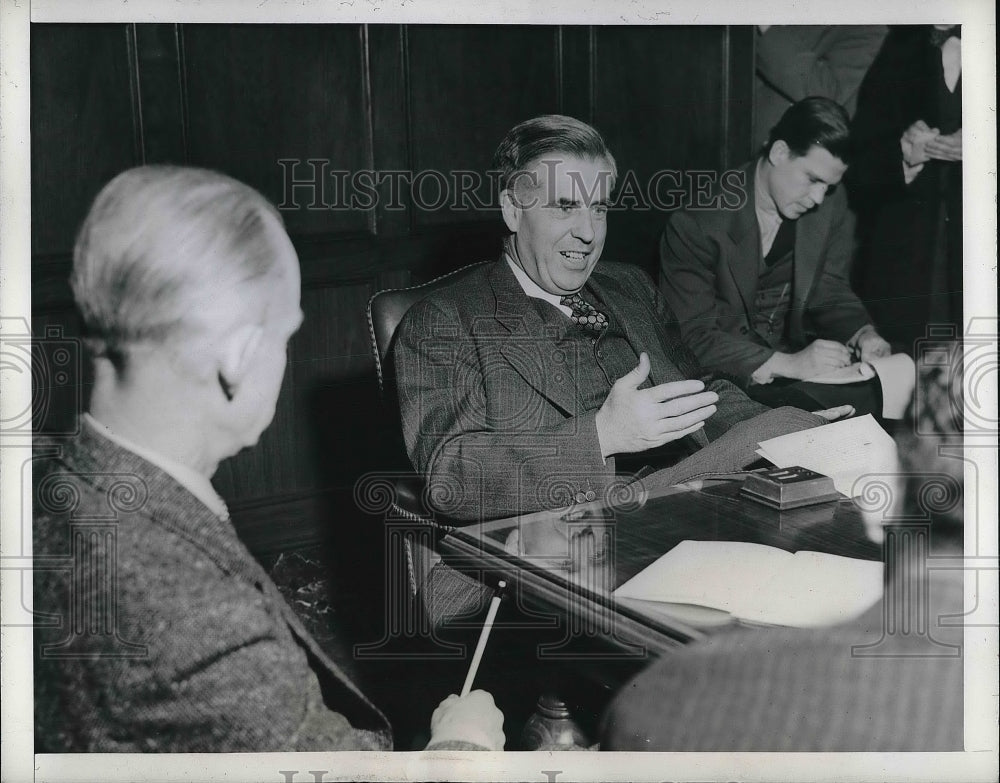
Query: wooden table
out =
(567, 564)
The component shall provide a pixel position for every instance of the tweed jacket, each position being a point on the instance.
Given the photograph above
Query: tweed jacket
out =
(491, 406)
(710, 262)
(156, 629)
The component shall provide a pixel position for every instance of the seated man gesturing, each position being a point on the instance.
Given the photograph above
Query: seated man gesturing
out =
(531, 382)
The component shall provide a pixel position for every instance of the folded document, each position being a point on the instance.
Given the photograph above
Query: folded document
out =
(761, 583)
(852, 452)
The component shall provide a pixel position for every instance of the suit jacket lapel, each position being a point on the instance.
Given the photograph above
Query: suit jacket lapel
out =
(134, 485)
(643, 334)
(518, 317)
(528, 344)
(639, 326)
(810, 238)
(745, 256)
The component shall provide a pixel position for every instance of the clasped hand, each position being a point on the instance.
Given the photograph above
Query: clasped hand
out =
(913, 143)
(947, 147)
(633, 419)
(872, 346)
(473, 718)
(824, 356)
(817, 358)
(921, 143)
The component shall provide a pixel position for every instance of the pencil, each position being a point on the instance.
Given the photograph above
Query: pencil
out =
(483, 638)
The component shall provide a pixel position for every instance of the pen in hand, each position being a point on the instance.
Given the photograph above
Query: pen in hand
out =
(483, 638)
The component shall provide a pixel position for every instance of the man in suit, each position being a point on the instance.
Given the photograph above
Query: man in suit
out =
(157, 630)
(532, 382)
(796, 61)
(906, 183)
(889, 681)
(761, 285)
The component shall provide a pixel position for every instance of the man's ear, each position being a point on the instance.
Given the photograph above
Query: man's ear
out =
(511, 212)
(239, 349)
(779, 153)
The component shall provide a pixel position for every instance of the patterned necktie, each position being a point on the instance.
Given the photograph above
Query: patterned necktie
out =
(584, 314)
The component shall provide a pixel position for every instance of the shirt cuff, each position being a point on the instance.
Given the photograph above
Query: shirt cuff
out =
(910, 172)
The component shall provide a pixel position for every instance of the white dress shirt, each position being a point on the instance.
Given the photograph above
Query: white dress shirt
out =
(768, 217)
(951, 61)
(535, 291)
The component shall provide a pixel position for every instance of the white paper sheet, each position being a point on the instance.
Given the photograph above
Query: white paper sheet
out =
(843, 450)
(761, 583)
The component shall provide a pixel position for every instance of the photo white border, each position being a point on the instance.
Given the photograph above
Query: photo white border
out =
(979, 142)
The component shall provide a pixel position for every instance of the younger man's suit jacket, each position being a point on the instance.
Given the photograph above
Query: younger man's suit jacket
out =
(710, 263)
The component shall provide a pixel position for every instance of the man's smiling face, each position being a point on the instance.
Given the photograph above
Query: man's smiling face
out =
(557, 210)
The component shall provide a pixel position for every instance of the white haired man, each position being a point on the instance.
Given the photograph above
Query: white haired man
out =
(171, 636)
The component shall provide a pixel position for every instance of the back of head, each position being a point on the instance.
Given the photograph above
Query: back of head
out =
(548, 135)
(164, 256)
(813, 121)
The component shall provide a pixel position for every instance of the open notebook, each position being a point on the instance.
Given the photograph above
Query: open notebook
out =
(760, 583)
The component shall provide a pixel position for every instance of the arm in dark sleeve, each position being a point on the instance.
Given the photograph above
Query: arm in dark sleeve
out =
(689, 268)
(799, 61)
(833, 309)
(486, 441)
(734, 405)
(888, 103)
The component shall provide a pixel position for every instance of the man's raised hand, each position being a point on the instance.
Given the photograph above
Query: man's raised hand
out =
(946, 147)
(633, 419)
(913, 143)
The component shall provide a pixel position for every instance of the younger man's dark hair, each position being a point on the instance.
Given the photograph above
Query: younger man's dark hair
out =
(813, 121)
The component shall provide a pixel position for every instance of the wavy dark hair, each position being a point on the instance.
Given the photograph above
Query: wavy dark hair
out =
(531, 140)
(813, 121)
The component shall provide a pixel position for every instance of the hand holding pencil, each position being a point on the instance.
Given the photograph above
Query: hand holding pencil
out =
(472, 717)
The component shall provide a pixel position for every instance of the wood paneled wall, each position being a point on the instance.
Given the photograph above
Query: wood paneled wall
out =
(244, 98)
